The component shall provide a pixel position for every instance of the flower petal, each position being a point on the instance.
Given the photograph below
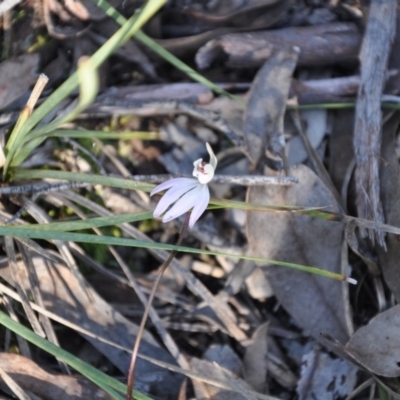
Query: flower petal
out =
(168, 184)
(200, 206)
(184, 204)
(213, 159)
(173, 195)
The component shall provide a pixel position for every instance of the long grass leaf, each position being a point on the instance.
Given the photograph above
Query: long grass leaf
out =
(122, 183)
(37, 233)
(90, 223)
(98, 135)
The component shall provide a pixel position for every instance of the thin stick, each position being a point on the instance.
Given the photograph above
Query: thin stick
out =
(244, 180)
(36, 92)
(135, 351)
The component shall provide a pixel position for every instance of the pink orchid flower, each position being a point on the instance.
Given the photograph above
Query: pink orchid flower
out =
(187, 193)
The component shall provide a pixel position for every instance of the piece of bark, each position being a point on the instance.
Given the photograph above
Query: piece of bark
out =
(389, 173)
(319, 45)
(331, 90)
(194, 93)
(324, 90)
(263, 117)
(374, 56)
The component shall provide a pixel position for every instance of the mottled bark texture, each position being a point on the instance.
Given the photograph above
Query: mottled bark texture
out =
(320, 45)
(374, 56)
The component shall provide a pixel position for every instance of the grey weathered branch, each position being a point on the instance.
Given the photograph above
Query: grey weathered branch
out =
(326, 44)
(374, 56)
(244, 180)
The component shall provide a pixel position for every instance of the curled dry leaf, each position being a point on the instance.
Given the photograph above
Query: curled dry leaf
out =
(317, 304)
(263, 118)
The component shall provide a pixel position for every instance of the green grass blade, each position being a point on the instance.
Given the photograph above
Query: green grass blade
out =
(121, 36)
(33, 232)
(125, 183)
(108, 384)
(122, 183)
(98, 222)
(311, 212)
(112, 135)
(89, 84)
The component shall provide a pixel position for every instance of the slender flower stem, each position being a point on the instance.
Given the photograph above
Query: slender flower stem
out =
(135, 351)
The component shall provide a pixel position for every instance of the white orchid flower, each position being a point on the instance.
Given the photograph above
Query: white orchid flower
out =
(187, 193)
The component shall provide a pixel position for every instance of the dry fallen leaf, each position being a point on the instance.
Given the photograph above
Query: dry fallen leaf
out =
(63, 295)
(315, 123)
(317, 304)
(376, 346)
(263, 117)
(17, 75)
(323, 377)
(32, 378)
(255, 359)
(222, 364)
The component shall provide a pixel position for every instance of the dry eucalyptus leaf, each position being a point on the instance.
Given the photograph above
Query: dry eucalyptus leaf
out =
(263, 118)
(323, 377)
(62, 294)
(315, 122)
(316, 303)
(376, 346)
(17, 75)
(225, 357)
(232, 388)
(32, 378)
(256, 359)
